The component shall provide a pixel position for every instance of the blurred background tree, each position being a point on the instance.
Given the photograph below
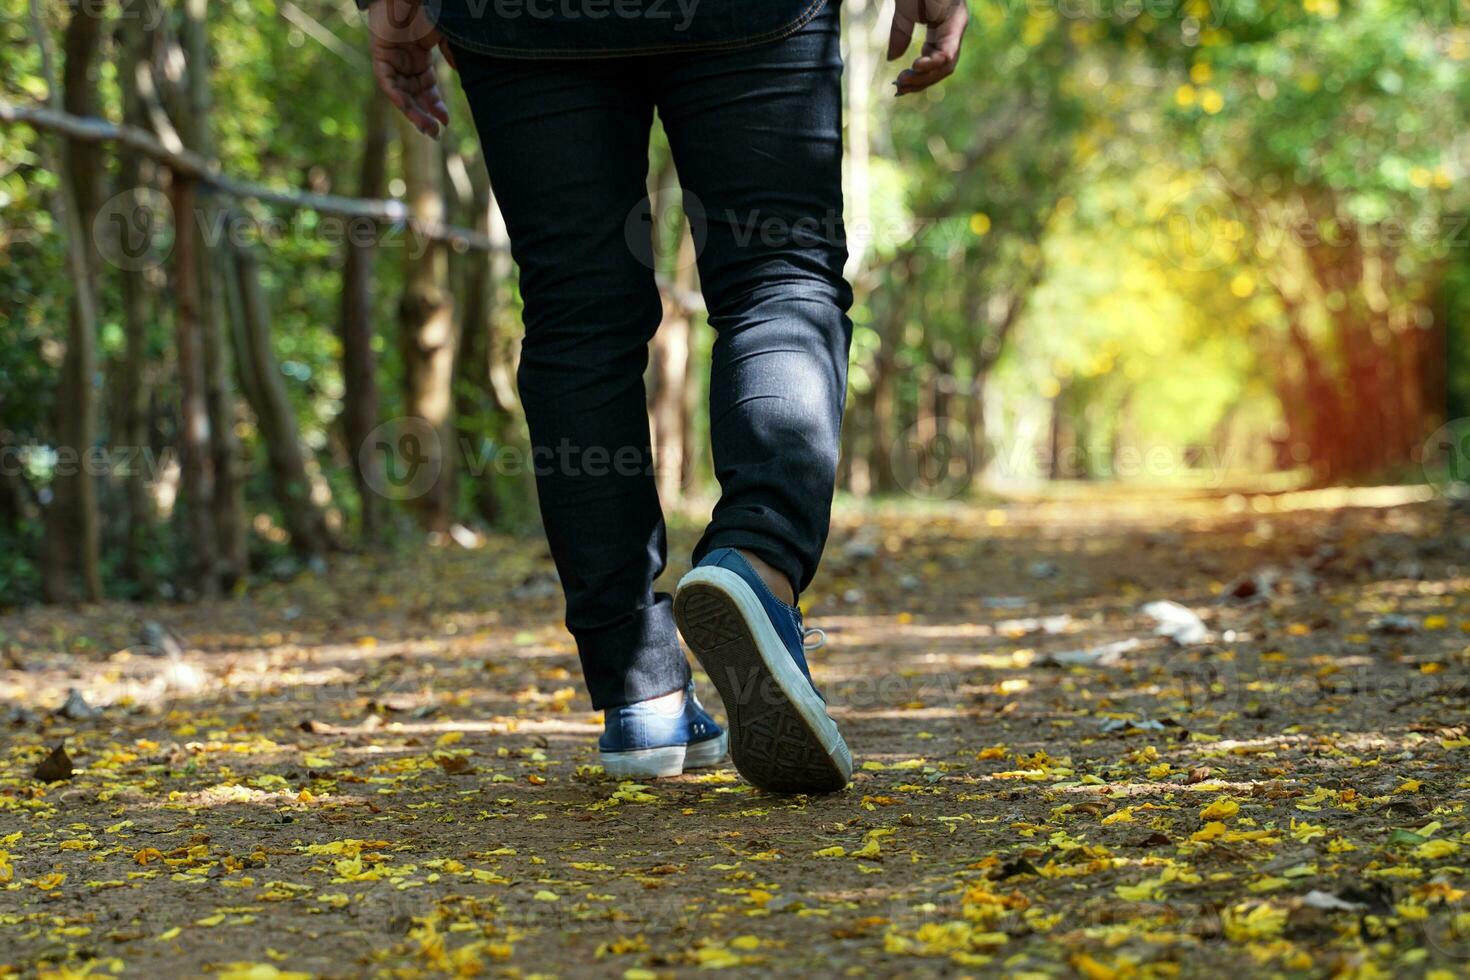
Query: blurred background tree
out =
(1209, 245)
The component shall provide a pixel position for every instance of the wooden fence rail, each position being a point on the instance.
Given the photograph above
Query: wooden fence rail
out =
(204, 170)
(187, 163)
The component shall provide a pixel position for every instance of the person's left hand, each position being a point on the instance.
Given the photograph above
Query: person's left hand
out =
(944, 27)
(403, 46)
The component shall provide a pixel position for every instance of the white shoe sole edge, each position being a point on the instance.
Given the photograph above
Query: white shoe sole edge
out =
(710, 752)
(777, 659)
(666, 760)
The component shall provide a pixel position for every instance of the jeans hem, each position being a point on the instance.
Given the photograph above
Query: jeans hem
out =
(634, 658)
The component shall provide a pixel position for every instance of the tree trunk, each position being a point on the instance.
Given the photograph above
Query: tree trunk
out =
(670, 364)
(504, 345)
(975, 421)
(72, 528)
(884, 398)
(257, 362)
(852, 461)
(1056, 468)
(503, 342)
(696, 393)
(196, 460)
(427, 331)
(138, 47)
(355, 327)
(474, 392)
(941, 381)
(1321, 399)
(902, 282)
(227, 505)
(884, 421)
(18, 505)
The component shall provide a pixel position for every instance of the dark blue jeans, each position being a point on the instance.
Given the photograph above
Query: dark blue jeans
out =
(756, 135)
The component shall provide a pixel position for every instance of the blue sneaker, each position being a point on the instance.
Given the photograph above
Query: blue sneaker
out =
(642, 741)
(751, 645)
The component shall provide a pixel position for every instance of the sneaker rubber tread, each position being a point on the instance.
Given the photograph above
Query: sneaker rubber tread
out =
(770, 743)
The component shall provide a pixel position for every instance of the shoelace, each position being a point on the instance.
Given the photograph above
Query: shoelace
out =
(808, 632)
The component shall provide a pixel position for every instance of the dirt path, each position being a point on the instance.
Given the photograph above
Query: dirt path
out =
(392, 772)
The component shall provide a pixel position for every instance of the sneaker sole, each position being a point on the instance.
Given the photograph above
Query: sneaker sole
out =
(710, 752)
(781, 737)
(666, 760)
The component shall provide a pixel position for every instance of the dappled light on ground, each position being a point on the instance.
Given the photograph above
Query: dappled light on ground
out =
(390, 769)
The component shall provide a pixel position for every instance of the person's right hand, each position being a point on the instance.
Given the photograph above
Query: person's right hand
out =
(403, 43)
(944, 27)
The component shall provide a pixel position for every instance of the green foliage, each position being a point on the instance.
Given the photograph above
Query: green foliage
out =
(1123, 227)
